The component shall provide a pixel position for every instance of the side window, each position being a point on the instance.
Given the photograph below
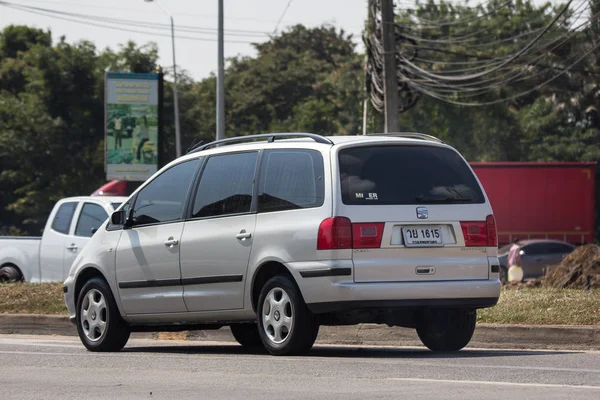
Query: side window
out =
(63, 217)
(226, 185)
(558, 248)
(535, 249)
(91, 217)
(164, 198)
(291, 179)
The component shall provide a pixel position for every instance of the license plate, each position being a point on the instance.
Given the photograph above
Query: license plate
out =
(422, 236)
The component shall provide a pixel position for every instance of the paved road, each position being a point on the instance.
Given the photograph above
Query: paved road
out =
(36, 367)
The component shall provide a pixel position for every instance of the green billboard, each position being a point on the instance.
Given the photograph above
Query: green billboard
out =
(131, 125)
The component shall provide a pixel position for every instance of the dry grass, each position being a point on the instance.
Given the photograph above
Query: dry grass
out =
(32, 298)
(517, 305)
(544, 306)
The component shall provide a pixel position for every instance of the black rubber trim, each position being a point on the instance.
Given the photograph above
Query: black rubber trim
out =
(317, 273)
(495, 269)
(65, 289)
(149, 284)
(212, 279)
(179, 282)
(337, 306)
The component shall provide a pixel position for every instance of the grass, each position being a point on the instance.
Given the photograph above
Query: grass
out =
(32, 298)
(520, 305)
(544, 306)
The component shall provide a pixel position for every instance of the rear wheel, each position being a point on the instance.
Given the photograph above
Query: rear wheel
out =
(285, 325)
(447, 329)
(247, 335)
(10, 274)
(99, 323)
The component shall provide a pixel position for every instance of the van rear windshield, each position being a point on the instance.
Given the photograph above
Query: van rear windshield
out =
(390, 175)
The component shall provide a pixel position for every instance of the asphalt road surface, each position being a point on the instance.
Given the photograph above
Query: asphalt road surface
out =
(44, 367)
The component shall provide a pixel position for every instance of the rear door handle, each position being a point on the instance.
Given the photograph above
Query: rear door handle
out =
(243, 235)
(170, 243)
(72, 247)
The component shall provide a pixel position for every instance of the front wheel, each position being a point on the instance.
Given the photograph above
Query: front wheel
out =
(99, 323)
(285, 325)
(446, 329)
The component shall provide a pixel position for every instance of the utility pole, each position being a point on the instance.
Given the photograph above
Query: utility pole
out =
(220, 79)
(175, 94)
(392, 120)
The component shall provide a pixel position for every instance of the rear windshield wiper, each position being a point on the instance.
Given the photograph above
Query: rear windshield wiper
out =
(450, 199)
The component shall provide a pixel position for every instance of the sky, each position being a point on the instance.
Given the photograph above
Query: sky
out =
(244, 21)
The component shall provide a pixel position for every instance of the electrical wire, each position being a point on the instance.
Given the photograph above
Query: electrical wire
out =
(282, 15)
(118, 28)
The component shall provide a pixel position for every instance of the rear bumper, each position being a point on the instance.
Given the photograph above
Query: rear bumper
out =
(329, 307)
(327, 289)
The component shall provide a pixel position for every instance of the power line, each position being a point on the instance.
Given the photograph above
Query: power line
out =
(65, 17)
(282, 15)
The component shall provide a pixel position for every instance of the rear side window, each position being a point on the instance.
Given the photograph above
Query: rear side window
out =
(291, 179)
(91, 217)
(391, 175)
(63, 217)
(226, 185)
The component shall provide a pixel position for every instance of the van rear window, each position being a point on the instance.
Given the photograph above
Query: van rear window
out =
(390, 175)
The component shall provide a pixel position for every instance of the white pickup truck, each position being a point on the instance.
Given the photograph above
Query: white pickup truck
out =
(70, 226)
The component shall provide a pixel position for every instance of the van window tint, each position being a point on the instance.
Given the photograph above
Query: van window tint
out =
(163, 199)
(226, 185)
(91, 217)
(372, 175)
(63, 217)
(291, 179)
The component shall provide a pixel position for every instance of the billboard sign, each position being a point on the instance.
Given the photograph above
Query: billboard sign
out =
(131, 125)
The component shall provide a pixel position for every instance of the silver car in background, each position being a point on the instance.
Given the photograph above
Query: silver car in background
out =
(537, 255)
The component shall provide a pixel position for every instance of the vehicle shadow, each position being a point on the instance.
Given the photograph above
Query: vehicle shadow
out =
(332, 351)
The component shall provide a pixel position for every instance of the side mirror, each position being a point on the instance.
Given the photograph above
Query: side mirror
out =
(119, 218)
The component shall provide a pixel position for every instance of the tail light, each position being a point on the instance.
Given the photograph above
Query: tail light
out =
(339, 233)
(492, 234)
(480, 234)
(335, 233)
(367, 236)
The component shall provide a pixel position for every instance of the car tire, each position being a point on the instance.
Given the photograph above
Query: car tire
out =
(99, 322)
(285, 325)
(10, 274)
(446, 329)
(247, 335)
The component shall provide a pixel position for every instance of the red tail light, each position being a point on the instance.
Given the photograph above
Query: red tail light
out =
(480, 234)
(492, 234)
(335, 233)
(367, 236)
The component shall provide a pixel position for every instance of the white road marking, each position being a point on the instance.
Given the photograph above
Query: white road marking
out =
(499, 383)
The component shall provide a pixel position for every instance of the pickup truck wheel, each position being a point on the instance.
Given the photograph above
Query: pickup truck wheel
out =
(447, 329)
(99, 323)
(247, 335)
(10, 274)
(285, 325)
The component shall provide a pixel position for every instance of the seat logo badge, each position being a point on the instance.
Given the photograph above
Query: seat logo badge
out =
(422, 213)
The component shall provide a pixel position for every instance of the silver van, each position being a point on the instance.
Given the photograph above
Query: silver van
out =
(275, 235)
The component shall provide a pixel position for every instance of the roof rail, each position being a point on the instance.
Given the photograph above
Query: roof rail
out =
(409, 135)
(269, 136)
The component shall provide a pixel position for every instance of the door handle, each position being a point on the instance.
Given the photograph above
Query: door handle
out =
(170, 243)
(72, 247)
(243, 235)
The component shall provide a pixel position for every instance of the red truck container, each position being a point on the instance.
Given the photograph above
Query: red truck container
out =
(541, 200)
